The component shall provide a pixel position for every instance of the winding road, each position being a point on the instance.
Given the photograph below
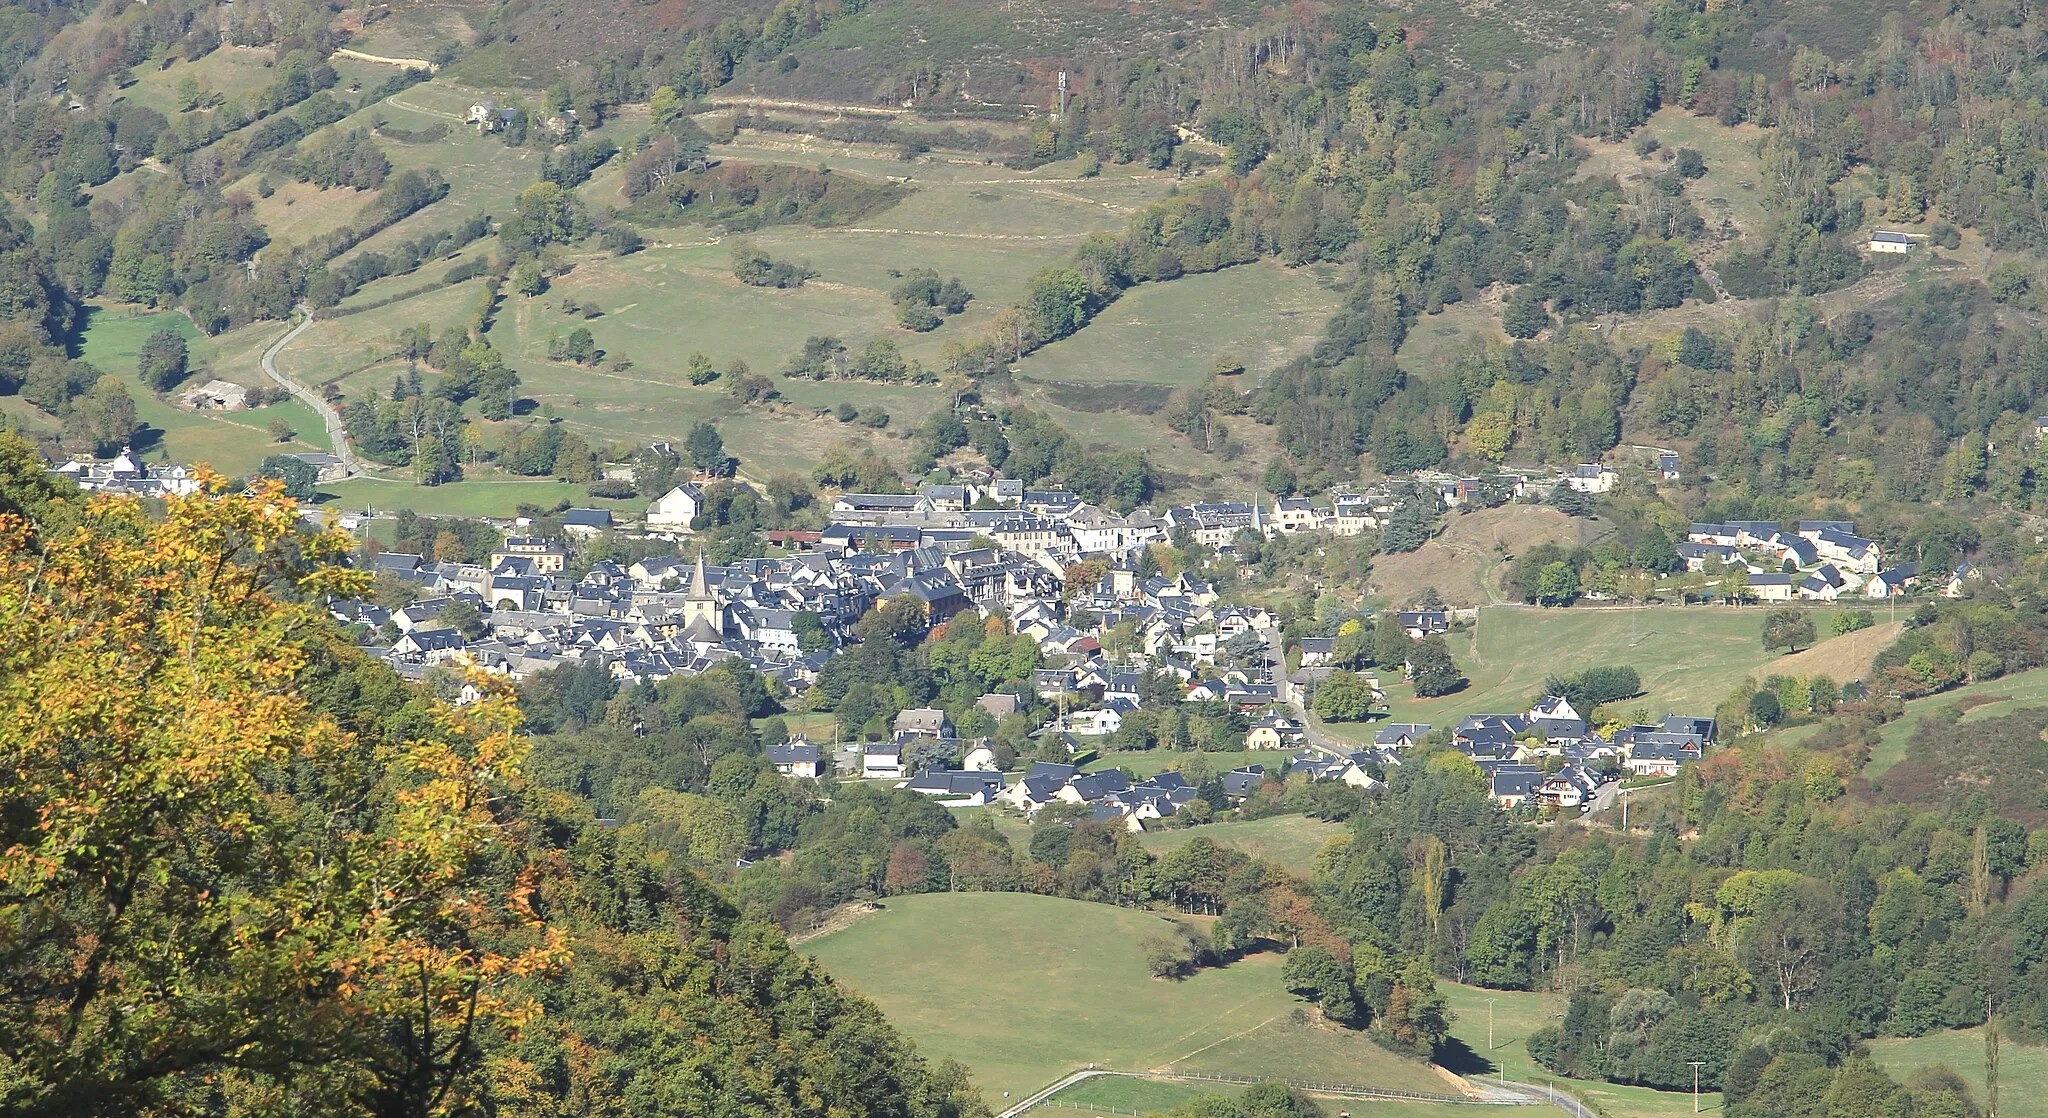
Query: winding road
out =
(336, 433)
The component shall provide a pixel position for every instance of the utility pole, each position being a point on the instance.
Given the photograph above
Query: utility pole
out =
(1695, 1084)
(1489, 1023)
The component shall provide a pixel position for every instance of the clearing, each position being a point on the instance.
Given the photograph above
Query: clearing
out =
(1465, 561)
(1290, 841)
(2021, 1068)
(1516, 1014)
(1089, 996)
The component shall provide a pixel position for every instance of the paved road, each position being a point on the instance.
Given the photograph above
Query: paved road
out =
(336, 433)
(1487, 1092)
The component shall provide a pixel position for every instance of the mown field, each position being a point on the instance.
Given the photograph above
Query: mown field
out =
(1516, 1014)
(1289, 840)
(1689, 658)
(2022, 1069)
(1023, 989)
(233, 442)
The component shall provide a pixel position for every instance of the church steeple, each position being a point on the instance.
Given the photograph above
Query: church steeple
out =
(700, 586)
(700, 604)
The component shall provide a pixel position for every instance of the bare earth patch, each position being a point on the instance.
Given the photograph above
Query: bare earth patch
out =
(1465, 561)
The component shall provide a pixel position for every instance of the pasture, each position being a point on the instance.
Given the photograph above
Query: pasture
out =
(1024, 988)
(1290, 841)
(2021, 1068)
(233, 442)
(1689, 657)
(1515, 1015)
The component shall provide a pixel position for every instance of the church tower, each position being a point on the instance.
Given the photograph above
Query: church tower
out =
(700, 603)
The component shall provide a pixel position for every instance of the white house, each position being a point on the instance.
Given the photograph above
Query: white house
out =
(1885, 240)
(1592, 478)
(883, 760)
(673, 510)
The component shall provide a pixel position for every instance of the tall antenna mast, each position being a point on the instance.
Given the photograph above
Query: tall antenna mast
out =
(1063, 95)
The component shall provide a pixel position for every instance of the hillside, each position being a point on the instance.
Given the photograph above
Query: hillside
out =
(1024, 988)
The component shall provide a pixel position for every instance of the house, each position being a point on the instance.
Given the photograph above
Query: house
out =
(1425, 623)
(1512, 784)
(957, 787)
(1399, 735)
(1771, 587)
(1697, 555)
(586, 522)
(998, 706)
(1570, 787)
(1242, 782)
(672, 512)
(1591, 478)
(1660, 754)
(1273, 732)
(326, 467)
(1723, 535)
(925, 722)
(1825, 584)
(1894, 582)
(1316, 651)
(797, 757)
(1095, 723)
(882, 760)
(1887, 241)
(1040, 785)
(875, 507)
(217, 395)
(1667, 465)
(1958, 583)
(1848, 551)
(1295, 514)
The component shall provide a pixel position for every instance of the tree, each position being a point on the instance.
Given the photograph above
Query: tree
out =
(1764, 709)
(1433, 672)
(280, 431)
(1525, 316)
(706, 450)
(161, 947)
(1056, 303)
(1391, 643)
(1787, 629)
(699, 369)
(162, 362)
(1557, 584)
(1344, 697)
(298, 476)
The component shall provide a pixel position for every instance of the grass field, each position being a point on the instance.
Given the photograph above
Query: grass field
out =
(1689, 658)
(1988, 699)
(1731, 188)
(2021, 1069)
(1023, 989)
(1289, 840)
(1516, 1014)
(1121, 1094)
(232, 442)
(1170, 334)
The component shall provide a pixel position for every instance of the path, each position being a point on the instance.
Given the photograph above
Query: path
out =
(1486, 1093)
(725, 101)
(336, 433)
(407, 63)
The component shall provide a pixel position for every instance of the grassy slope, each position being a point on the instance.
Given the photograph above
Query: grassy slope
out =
(1515, 1016)
(1689, 659)
(1981, 700)
(233, 442)
(2021, 1070)
(1290, 840)
(1024, 988)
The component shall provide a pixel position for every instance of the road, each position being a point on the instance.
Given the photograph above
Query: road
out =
(336, 433)
(1485, 1092)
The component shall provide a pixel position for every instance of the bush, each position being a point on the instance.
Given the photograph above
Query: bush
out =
(612, 489)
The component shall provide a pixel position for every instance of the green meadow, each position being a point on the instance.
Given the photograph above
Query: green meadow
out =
(1024, 989)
